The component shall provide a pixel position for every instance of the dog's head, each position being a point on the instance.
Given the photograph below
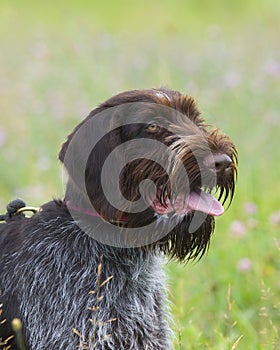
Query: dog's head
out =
(146, 160)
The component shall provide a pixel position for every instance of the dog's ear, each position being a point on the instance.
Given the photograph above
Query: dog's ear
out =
(82, 125)
(84, 159)
(80, 148)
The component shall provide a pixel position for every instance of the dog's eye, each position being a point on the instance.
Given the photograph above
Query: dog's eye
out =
(153, 127)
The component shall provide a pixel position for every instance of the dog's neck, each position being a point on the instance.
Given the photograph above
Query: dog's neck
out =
(78, 202)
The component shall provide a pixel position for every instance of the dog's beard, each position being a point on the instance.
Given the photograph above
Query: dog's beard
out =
(182, 242)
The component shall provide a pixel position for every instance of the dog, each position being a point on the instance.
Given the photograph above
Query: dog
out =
(86, 272)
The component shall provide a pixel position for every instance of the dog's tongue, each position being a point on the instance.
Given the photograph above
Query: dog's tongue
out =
(205, 202)
(202, 201)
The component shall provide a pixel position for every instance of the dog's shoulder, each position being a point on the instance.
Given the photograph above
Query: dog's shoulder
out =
(12, 235)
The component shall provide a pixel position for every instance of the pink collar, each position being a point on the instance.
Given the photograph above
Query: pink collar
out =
(93, 213)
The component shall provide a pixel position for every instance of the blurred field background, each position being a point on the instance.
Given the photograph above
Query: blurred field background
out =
(58, 60)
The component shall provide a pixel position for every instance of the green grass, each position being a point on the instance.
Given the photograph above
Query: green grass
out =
(58, 60)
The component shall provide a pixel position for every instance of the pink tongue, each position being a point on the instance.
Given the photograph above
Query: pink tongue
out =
(205, 202)
(202, 201)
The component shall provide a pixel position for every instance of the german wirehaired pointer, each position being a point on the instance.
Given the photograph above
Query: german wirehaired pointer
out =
(86, 272)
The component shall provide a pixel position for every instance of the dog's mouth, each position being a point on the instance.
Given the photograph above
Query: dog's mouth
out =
(198, 200)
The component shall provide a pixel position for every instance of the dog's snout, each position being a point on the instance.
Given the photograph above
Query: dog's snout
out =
(220, 162)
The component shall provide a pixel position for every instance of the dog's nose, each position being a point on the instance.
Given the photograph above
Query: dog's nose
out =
(219, 161)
